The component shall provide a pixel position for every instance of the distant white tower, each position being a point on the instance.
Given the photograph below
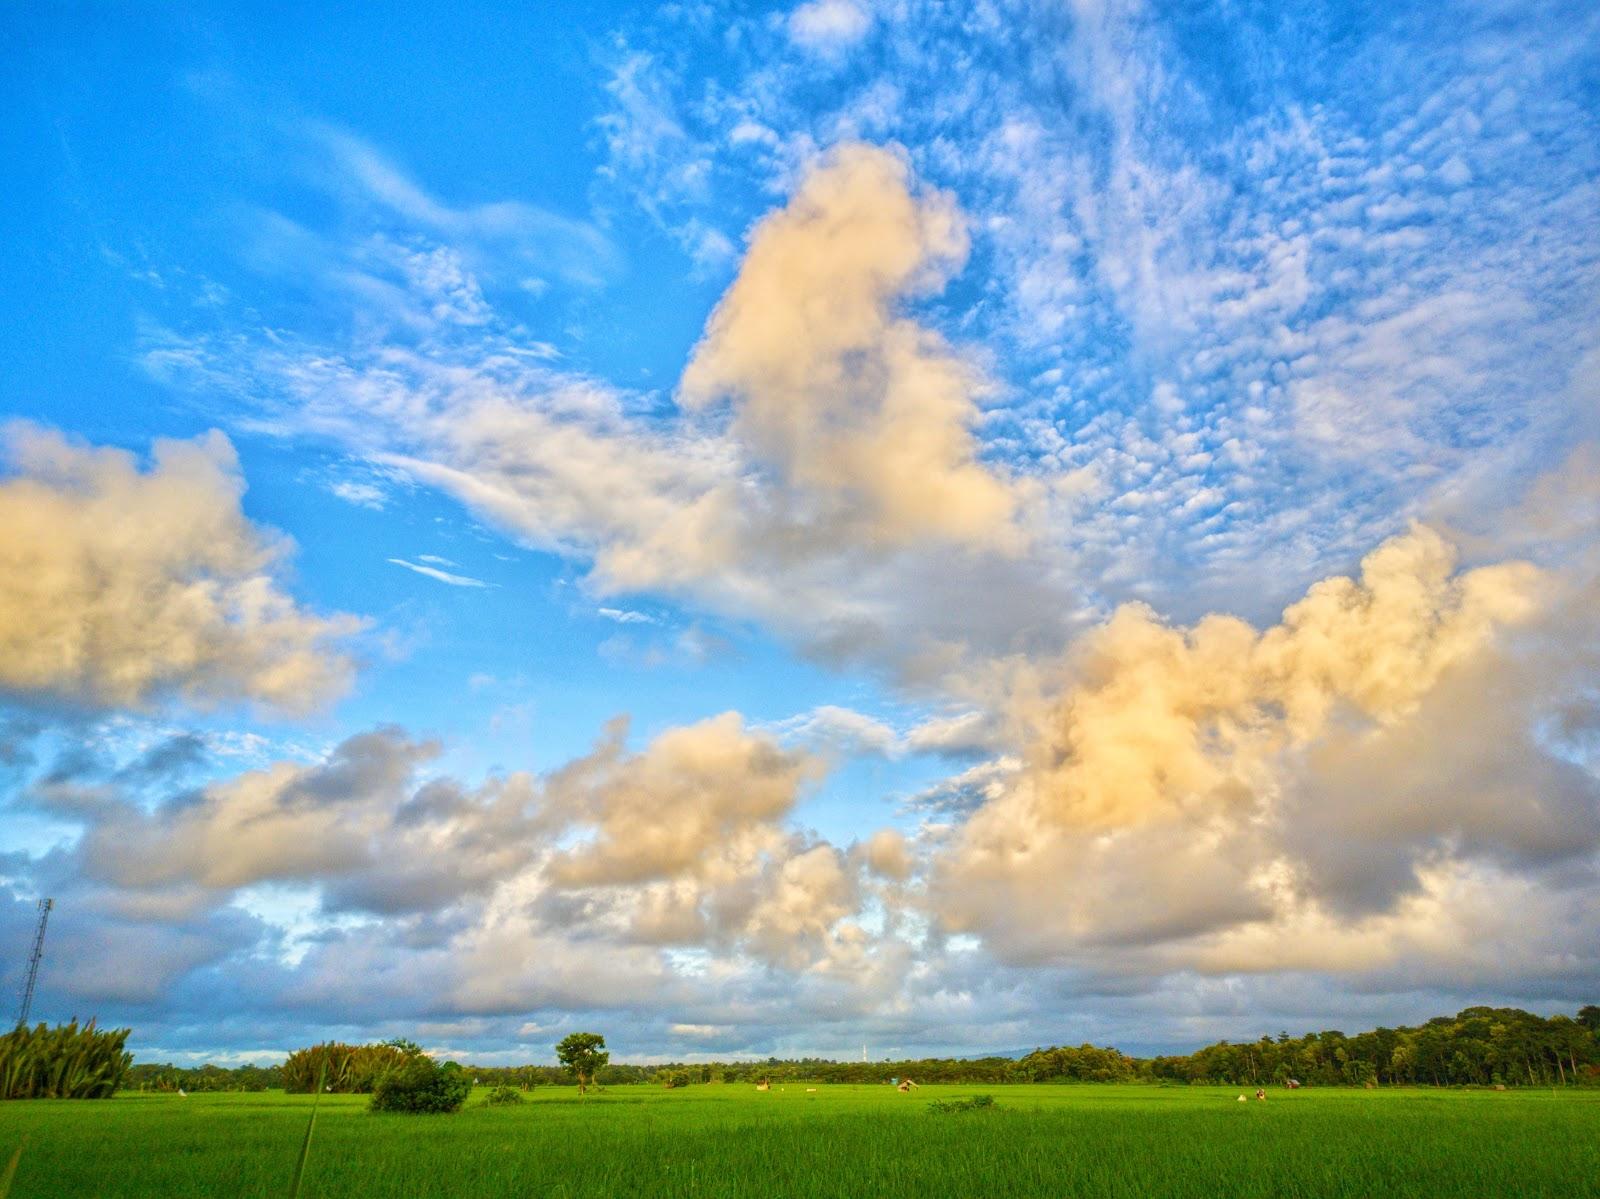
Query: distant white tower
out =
(863, 1051)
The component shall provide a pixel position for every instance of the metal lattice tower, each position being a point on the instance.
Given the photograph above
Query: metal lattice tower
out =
(33, 961)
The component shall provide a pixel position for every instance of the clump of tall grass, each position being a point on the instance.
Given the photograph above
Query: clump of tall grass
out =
(343, 1069)
(974, 1104)
(502, 1096)
(64, 1062)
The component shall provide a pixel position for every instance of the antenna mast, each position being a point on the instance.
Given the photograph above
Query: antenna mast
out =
(33, 961)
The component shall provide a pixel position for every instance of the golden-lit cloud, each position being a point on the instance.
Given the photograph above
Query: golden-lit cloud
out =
(688, 842)
(888, 854)
(843, 395)
(360, 823)
(694, 800)
(1179, 781)
(1158, 719)
(685, 841)
(118, 584)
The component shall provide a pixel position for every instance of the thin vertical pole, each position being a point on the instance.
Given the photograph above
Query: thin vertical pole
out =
(33, 962)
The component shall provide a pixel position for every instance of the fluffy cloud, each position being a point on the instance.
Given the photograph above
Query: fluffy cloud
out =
(688, 843)
(828, 25)
(1159, 718)
(888, 854)
(118, 585)
(794, 922)
(358, 823)
(685, 842)
(1184, 790)
(848, 400)
(699, 799)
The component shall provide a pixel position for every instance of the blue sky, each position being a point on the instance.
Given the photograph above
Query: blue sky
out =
(1085, 515)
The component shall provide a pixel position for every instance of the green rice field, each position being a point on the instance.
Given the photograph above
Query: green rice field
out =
(837, 1141)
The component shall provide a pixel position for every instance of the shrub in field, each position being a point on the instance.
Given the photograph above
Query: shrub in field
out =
(65, 1062)
(974, 1104)
(345, 1069)
(502, 1095)
(420, 1085)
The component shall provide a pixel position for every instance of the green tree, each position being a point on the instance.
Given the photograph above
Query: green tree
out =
(583, 1053)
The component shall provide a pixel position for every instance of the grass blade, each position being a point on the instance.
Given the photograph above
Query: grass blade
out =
(305, 1145)
(11, 1168)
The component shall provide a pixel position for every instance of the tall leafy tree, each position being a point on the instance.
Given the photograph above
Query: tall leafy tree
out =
(583, 1053)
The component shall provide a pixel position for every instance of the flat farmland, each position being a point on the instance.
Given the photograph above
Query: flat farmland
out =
(716, 1140)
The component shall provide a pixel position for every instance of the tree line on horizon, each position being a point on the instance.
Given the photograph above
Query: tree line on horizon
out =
(1480, 1046)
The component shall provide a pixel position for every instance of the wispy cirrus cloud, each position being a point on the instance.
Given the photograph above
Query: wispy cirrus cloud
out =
(626, 616)
(492, 237)
(433, 572)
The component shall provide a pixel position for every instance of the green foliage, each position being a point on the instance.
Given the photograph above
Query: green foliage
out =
(973, 1103)
(673, 1079)
(1480, 1046)
(64, 1062)
(1086, 1063)
(1477, 1047)
(583, 1053)
(345, 1069)
(419, 1085)
(165, 1077)
(502, 1096)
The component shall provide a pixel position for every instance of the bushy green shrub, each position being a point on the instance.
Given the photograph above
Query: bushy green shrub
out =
(672, 1079)
(502, 1095)
(974, 1104)
(64, 1062)
(419, 1085)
